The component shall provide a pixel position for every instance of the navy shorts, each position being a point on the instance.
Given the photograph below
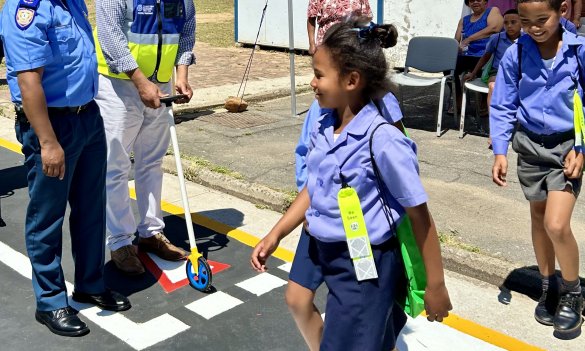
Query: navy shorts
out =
(361, 315)
(305, 271)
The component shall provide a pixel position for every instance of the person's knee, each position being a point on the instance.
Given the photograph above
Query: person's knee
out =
(298, 298)
(491, 86)
(557, 230)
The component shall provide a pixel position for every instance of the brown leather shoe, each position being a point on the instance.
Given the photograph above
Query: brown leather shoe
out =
(127, 261)
(159, 245)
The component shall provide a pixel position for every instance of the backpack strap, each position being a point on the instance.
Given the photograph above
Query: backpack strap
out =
(519, 63)
(579, 68)
(380, 183)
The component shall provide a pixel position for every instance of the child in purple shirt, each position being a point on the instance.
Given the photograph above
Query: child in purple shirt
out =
(535, 87)
(349, 71)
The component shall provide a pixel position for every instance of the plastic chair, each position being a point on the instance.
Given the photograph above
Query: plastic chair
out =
(430, 55)
(476, 85)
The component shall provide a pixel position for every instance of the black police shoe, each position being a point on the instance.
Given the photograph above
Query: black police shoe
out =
(108, 300)
(544, 313)
(63, 321)
(568, 316)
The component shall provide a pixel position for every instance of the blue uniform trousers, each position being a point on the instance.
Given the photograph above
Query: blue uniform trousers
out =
(82, 138)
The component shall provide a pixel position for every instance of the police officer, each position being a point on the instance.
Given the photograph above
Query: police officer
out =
(52, 76)
(139, 44)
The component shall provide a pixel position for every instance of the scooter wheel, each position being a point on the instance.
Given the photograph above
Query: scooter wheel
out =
(199, 280)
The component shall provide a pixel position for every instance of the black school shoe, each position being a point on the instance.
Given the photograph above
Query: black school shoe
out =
(108, 300)
(568, 315)
(63, 321)
(544, 313)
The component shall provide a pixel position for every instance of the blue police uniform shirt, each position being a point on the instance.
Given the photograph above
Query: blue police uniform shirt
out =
(59, 38)
(388, 106)
(349, 155)
(542, 101)
(498, 48)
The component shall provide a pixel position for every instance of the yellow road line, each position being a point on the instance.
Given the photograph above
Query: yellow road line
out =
(488, 335)
(237, 234)
(7, 144)
(463, 325)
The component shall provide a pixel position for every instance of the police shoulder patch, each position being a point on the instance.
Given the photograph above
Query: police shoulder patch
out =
(26, 12)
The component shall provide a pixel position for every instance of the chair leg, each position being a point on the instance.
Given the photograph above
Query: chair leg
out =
(440, 114)
(463, 106)
(455, 101)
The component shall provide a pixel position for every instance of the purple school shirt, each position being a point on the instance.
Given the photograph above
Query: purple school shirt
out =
(543, 101)
(497, 46)
(389, 107)
(349, 155)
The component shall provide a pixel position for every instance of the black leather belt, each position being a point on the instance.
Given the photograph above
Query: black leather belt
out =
(69, 109)
(548, 139)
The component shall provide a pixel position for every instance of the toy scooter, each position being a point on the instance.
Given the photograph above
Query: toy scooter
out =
(198, 270)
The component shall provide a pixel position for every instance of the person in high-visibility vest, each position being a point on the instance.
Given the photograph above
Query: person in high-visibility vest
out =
(138, 45)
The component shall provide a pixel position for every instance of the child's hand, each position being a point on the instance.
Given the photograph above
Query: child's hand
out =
(262, 251)
(437, 302)
(500, 170)
(468, 76)
(573, 166)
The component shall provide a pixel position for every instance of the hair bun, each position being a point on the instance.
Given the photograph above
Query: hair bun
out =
(387, 34)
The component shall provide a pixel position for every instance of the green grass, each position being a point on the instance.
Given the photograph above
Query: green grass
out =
(220, 34)
(213, 6)
(452, 239)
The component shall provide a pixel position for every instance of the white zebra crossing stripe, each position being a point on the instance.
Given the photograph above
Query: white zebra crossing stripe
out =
(261, 284)
(286, 267)
(138, 335)
(214, 304)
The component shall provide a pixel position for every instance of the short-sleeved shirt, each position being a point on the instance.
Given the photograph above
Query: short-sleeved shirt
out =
(58, 39)
(329, 12)
(542, 100)
(349, 157)
(497, 45)
(388, 106)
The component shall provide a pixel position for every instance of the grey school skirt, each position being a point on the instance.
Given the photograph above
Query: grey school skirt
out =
(540, 163)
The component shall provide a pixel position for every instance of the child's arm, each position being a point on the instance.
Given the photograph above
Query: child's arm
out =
(293, 217)
(495, 22)
(482, 61)
(437, 302)
(503, 109)
(304, 144)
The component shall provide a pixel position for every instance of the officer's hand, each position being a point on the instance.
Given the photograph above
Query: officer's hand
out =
(150, 94)
(261, 252)
(573, 165)
(500, 170)
(53, 158)
(183, 87)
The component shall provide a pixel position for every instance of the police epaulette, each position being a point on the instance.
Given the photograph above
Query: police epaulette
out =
(25, 13)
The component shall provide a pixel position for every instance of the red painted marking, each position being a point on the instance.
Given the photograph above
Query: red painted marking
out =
(167, 285)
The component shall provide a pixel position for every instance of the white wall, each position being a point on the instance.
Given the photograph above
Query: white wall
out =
(419, 18)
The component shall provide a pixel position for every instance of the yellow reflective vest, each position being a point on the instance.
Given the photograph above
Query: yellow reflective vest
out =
(153, 29)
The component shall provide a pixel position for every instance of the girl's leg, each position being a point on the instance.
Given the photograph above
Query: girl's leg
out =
(306, 315)
(557, 223)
